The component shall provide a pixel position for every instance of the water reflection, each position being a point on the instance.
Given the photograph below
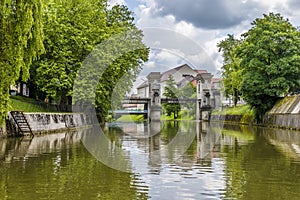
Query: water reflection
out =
(230, 162)
(58, 167)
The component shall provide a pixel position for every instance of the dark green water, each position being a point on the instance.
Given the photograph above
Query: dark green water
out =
(220, 163)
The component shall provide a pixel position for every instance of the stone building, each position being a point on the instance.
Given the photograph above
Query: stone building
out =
(184, 74)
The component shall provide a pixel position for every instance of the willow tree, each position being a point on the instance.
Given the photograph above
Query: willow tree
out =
(21, 41)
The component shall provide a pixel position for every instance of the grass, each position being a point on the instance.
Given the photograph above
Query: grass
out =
(131, 118)
(244, 110)
(238, 110)
(140, 118)
(28, 105)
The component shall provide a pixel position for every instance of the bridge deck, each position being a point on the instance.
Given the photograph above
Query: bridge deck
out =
(129, 112)
(163, 100)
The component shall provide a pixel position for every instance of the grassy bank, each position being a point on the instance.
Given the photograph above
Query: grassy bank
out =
(140, 118)
(131, 118)
(29, 105)
(238, 110)
(240, 114)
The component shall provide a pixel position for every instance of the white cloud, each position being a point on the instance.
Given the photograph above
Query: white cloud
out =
(116, 2)
(203, 23)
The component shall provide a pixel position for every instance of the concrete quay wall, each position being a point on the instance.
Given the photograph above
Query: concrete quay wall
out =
(48, 122)
(285, 114)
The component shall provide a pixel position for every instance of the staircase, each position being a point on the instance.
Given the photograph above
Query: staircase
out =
(21, 122)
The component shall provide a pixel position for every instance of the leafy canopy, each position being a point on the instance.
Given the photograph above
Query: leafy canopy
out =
(231, 68)
(270, 55)
(264, 65)
(171, 91)
(87, 32)
(21, 41)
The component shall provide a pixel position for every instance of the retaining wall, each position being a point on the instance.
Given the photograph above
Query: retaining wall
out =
(51, 122)
(289, 121)
(235, 119)
(285, 114)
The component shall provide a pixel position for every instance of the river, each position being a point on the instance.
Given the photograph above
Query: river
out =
(170, 160)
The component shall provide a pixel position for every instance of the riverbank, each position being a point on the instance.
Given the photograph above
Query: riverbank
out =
(284, 115)
(42, 123)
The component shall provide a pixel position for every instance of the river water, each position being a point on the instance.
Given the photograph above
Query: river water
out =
(170, 160)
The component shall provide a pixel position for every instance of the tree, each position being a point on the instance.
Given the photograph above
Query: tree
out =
(188, 91)
(171, 91)
(231, 67)
(120, 74)
(21, 41)
(72, 29)
(270, 62)
(77, 29)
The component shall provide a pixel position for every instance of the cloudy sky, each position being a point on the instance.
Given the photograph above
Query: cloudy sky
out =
(187, 31)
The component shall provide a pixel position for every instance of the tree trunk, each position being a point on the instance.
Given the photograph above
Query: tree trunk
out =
(63, 98)
(64, 101)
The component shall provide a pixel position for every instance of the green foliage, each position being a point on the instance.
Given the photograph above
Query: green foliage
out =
(264, 65)
(189, 109)
(29, 105)
(21, 39)
(238, 110)
(171, 91)
(188, 91)
(270, 61)
(80, 33)
(71, 28)
(184, 111)
(231, 69)
(131, 118)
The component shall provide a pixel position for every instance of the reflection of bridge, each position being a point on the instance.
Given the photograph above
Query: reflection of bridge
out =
(147, 102)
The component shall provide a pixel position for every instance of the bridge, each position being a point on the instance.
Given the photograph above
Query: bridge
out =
(152, 105)
(130, 112)
(147, 101)
(137, 100)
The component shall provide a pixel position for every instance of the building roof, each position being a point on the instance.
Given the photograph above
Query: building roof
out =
(200, 71)
(165, 75)
(215, 80)
(143, 85)
(184, 81)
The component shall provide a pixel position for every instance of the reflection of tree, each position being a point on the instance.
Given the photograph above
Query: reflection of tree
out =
(169, 131)
(257, 169)
(69, 172)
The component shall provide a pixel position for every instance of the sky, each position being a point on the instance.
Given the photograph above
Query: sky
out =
(188, 31)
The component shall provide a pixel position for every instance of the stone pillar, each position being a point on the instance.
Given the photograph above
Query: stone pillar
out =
(154, 93)
(199, 103)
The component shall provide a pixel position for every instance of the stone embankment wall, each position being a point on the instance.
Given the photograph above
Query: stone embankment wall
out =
(55, 121)
(285, 114)
(234, 119)
(51, 122)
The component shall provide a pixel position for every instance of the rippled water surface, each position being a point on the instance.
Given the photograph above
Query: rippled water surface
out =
(170, 160)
